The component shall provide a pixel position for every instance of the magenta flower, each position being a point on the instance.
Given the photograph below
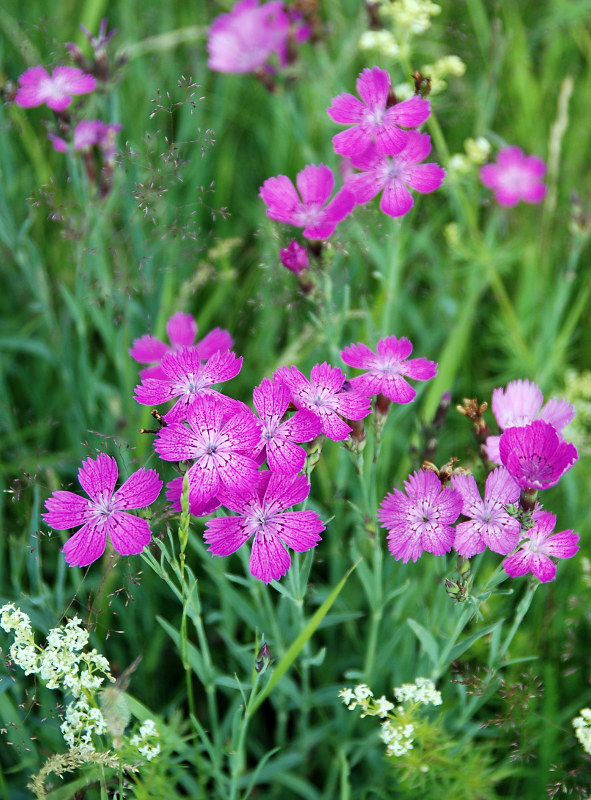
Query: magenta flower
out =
(541, 543)
(271, 400)
(422, 518)
(535, 455)
(174, 491)
(376, 118)
(105, 514)
(295, 257)
(387, 368)
(186, 377)
(519, 404)
(323, 395)
(181, 330)
(515, 177)
(395, 174)
(217, 448)
(263, 514)
(243, 39)
(37, 86)
(315, 185)
(88, 134)
(490, 525)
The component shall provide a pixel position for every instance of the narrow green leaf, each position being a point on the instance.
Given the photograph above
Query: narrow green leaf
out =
(427, 641)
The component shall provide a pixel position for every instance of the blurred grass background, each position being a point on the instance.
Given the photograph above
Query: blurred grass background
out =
(504, 295)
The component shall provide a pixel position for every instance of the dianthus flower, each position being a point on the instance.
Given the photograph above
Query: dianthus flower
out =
(187, 377)
(37, 86)
(394, 174)
(422, 518)
(490, 524)
(217, 448)
(263, 514)
(243, 39)
(535, 455)
(388, 368)
(271, 400)
(105, 514)
(519, 404)
(315, 184)
(181, 330)
(294, 257)
(88, 134)
(374, 117)
(515, 177)
(323, 395)
(541, 543)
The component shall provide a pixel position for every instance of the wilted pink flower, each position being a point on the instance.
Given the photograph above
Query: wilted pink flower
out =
(243, 39)
(182, 330)
(187, 377)
(535, 455)
(515, 177)
(422, 518)
(376, 118)
(534, 554)
(218, 448)
(388, 368)
(490, 524)
(394, 174)
(37, 86)
(295, 257)
(88, 134)
(315, 185)
(174, 491)
(263, 514)
(519, 404)
(105, 513)
(271, 400)
(323, 395)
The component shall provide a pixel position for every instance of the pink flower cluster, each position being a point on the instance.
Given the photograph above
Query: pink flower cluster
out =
(515, 177)
(533, 456)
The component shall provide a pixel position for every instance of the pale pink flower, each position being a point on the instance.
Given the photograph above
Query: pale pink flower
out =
(313, 212)
(374, 117)
(37, 86)
(395, 174)
(515, 177)
(262, 514)
(422, 519)
(243, 39)
(88, 134)
(323, 395)
(105, 513)
(388, 368)
(535, 455)
(519, 404)
(541, 543)
(490, 525)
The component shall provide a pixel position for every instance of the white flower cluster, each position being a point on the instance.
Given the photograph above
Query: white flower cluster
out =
(359, 696)
(582, 726)
(421, 691)
(444, 67)
(381, 40)
(62, 664)
(397, 738)
(145, 738)
(414, 15)
(477, 153)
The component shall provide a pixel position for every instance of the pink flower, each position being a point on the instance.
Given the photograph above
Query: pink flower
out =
(182, 330)
(534, 554)
(395, 174)
(37, 86)
(88, 134)
(422, 518)
(490, 525)
(187, 377)
(174, 491)
(105, 513)
(535, 455)
(387, 368)
(271, 400)
(519, 404)
(243, 39)
(216, 447)
(376, 118)
(323, 395)
(262, 513)
(295, 257)
(315, 185)
(515, 177)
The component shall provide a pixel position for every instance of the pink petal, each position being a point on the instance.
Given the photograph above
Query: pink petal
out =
(390, 140)
(271, 398)
(174, 490)
(152, 392)
(225, 535)
(396, 199)
(86, 545)
(327, 377)
(491, 448)
(533, 192)
(315, 184)
(373, 86)
(177, 364)
(281, 198)
(147, 349)
(300, 530)
(558, 413)
(204, 480)
(302, 427)
(358, 355)
(418, 147)
(181, 329)
(65, 510)
(333, 426)
(244, 431)
(222, 366)
(517, 564)
(98, 476)
(286, 457)
(74, 80)
(562, 545)
(468, 541)
(139, 490)
(542, 567)
(177, 442)
(239, 472)
(352, 405)
(129, 535)
(285, 492)
(339, 207)
(29, 94)
(353, 141)
(409, 113)
(425, 178)
(217, 339)
(467, 488)
(269, 560)
(501, 486)
(346, 109)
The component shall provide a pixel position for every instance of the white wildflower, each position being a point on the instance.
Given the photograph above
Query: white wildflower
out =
(383, 706)
(362, 692)
(347, 697)
(582, 726)
(477, 150)
(146, 748)
(382, 40)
